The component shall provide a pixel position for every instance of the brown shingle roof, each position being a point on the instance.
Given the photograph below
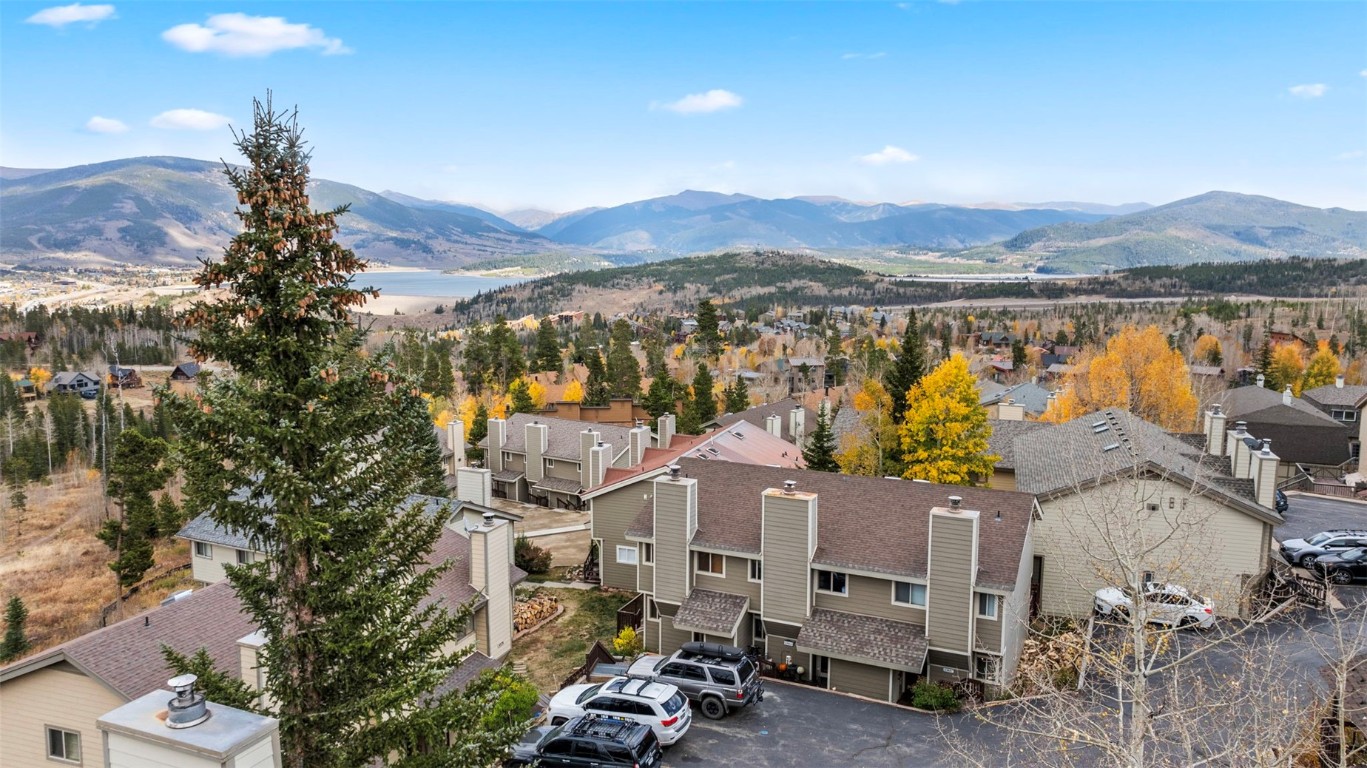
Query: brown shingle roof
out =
(1002, 441)
(557, 484)
(760, 413)
(562, 440)
(708, 611)
(884, 641)
(864, 523)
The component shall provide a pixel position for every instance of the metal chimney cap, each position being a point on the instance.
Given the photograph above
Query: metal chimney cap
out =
(790, 487)
(1267, 446)
(188, 708)
(956, 502)
(674, 471)
(601, 443)
(489, 518)
(1215, 409)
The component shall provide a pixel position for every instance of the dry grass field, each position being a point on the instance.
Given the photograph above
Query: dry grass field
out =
(52, 560)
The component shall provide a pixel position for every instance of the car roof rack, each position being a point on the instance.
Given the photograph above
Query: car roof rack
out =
(713, 650)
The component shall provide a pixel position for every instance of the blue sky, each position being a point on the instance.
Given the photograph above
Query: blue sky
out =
(565, 105)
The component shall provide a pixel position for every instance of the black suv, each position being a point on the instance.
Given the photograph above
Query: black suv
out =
(718, 677)
(1344, 567)
(588, 742)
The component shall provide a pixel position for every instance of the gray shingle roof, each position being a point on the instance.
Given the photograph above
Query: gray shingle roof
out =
(558, 484)
(1034, 397)
(865, 523)
(507, 476)
(1002, 441)
(562, 441)
(761, 413)
(1299, 432)
(884, 641)
(1254, 403)
(708, 611)
(1347, 396)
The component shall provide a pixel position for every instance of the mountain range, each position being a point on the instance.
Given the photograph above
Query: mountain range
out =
(174, 211)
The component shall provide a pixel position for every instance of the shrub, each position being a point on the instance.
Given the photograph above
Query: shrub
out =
(516, 699)
(529, 557)
(627, 642)
(935, 697)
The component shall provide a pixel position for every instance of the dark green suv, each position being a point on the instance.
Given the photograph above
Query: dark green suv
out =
(589, 742)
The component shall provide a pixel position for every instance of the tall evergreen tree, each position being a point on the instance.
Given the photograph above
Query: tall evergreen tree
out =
(819, 454)
(309, 450)
(704, 402)
(1263, 362)
(597, 390)
(623, 372)
(16, 642)
(688, 423)
(546, 353)
(662, 396)
(475, 359)
(136, 470)
(507, 362)
(738, 396)
(708, 323)
(909, 367)
(520, 397)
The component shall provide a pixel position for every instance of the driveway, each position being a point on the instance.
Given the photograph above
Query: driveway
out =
(797, 725)
(1308, 515)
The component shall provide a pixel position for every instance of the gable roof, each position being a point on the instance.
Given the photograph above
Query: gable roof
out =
(1266, 406)
(1110, 443)
(65, 378)
(1299, 431)
(741, 442)
(1034, 397)
(562, 441)
(759, 414)
(189, 370)
(1347, 396)
(1002, 441)
(865, 523)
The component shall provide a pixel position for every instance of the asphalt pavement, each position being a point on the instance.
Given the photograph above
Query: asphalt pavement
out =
(1308, 515)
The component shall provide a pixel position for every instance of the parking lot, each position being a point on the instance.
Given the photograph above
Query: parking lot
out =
(1308, 515)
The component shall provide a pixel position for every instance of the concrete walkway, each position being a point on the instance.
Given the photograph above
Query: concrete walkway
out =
(554, 531)
(562, 584)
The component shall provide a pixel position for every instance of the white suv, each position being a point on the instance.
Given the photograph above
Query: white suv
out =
(1163, 604)
(658, 705)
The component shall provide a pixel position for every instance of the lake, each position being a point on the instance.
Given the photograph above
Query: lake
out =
(431, 283)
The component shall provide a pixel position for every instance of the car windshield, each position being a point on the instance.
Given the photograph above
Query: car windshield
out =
(588, 694)
(1354, 554)
(675, 703)
(745, 669)
(1318, 539)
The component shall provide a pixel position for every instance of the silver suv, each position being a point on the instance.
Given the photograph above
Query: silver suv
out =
(1304, 552)
(718, 677)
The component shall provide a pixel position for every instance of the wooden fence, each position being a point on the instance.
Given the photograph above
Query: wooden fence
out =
(598, 654)
(109, 609)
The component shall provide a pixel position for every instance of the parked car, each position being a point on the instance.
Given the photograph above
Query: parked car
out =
(1304, 552)
(90, 393)
(588, 742)
(1344, 567)
(1282, 503)
(1167, 604)
(718, 677)
(658, 705)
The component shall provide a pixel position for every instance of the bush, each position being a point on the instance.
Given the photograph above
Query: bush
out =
(516, 699)
(529, 557)
(627, 642)
(935, 697)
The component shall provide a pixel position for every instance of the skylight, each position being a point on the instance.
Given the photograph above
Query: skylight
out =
(1110, 447)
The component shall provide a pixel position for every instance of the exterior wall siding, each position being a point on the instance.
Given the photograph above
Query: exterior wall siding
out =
(673, 499)
(58, 696)
(949, 596)
(565, 470)
(869, 597)
(652, 639)
(670, 638)
(787, 555)
(1213, 552)
(1002, 480)
(1016, 616)
(987, 633)
(863, 679)
(209, 570)
(735, 582)
(612, 514)
(645, 579)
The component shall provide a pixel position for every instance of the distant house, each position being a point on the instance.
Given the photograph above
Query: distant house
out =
(1209, 371)
(1346, 404)
(185, 371)
(1301, 433)
(805, 373)
(28, 338)
(997, 340)
(1029, 400)
(124, 378)
(27, 389)
(73, 382)
(787, 419)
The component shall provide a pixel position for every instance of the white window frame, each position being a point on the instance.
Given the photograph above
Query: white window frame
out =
(925, 594)
(550, 463)
(996, 605)
(632, 556)
(652, 610)
(244, 556)
(647, 553)
(507, 456)
(712, 560)
(844, 576)
(62, 758)
(994, 668)
(206, 547)
(750, 574)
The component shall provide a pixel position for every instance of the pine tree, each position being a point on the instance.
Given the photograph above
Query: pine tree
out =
(708, 335)
(309, 450)
(662, 396)
(1264, 360)
(506, 354)
(908, 369)
(597, 390)
(520, 398)
(546, 356)
(170, 517)
(1018, 358)
(623, 372)
(704, 402)
(216, 685)
(16, 642)
(738, 397)
(16, 476)
(944, 430)
(820, 451)
(136, 469)
(688, 423)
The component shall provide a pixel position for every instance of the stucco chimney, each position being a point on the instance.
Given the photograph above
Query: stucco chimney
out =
(788, 541)
(1215, 431)
(587, 440)
(675, 499)
(1286, 395)
(951, 572)
(455, 440)
(773, 424)
(537, 439)
(498, 435)
(475, 484)
(600, 458)
(638, 439)
(1263, 472)
(490, 557)
(665, 431)
(182, 729)
(797, 424)
(1338, 381)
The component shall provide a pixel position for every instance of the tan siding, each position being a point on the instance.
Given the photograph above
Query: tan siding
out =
(566, 470)
(1214, 548)
(1002, 480)
(645, 578)
(209, 570)
(612, 514)
(736, 582)
(499, 592)
(481, 620)
(57, 697)
(987, 633)
(672, 502)
(652, 641)
(870, 597)
(787, 556)
(517, 462)
(259, 756)
(949, 595)
(776, 650)
(670, 638)
(1017, 613)
(863, 679)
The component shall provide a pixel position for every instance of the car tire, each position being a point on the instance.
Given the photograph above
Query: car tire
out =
(1188, 622)
(1341, 576)
(1308, 560)
(712, 708)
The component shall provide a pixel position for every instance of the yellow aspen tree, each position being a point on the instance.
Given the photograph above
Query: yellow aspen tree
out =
(944, 434)
(1136, 371)
(1207, 351)
(1324, 367)
(1286, 367)
(574, 393)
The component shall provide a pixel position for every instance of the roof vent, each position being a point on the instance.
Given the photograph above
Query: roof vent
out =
(790, 487)
(489, 519)
(674, 471)
(1100, 427)
(1215, 409)
(956, 502)
(1267, 447)
(187, 709)
(1240, 427)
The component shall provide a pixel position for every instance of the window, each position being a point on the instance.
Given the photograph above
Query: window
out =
(757, 628)
(626, 555)
(987, 605)
(756, 570)
(830, 581)
(708, 562)
(647, 553)
(550, 463)
(723, 677)
(63, 745)
(1344, 415)
(202, 549)
(987, 668)
(906, 593)
(244, 556)
(652, 610)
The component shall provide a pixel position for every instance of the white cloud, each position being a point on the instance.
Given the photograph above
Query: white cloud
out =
(237, 34)
(189, 120)
(1363, 73)
(1356, 154)
(714, 100)
(888, 155)
(849, 56)
(1308, 91)
(62, 15)
(99, 124)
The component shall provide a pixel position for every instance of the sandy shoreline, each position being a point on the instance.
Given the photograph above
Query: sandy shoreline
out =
(407, 305)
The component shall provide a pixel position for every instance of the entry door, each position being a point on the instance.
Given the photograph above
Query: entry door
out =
(1036, 582)
(821, 671)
